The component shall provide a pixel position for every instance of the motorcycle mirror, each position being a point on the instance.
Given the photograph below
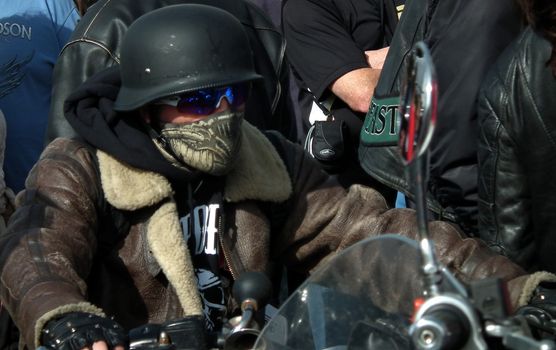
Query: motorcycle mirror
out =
(418, 103)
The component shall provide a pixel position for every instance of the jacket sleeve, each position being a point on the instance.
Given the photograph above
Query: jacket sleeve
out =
(504, 223)
(78, 61)
(48, 251)
(325, 219)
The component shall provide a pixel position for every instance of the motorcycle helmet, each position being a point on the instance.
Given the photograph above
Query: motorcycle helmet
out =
(181, 48)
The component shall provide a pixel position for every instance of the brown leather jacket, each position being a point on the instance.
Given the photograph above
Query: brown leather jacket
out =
(64, 251)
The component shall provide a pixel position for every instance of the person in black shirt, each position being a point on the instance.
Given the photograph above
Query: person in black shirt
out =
(336, 49)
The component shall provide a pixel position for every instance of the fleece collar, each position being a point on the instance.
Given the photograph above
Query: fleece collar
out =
(260, 174)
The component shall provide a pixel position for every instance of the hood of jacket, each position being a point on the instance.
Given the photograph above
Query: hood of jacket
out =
(90, 113)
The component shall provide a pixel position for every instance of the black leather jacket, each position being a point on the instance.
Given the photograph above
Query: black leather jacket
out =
(463, 47)
(517, 154)
(95, 45)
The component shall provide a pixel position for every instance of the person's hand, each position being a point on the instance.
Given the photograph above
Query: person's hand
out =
(376, 58)
(80, 330)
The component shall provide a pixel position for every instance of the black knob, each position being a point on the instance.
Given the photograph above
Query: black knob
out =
(252, 285)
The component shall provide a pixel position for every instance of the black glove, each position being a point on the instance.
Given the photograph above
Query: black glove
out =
(328, 142)
(540, 313)
(76, 330)
(187, 333)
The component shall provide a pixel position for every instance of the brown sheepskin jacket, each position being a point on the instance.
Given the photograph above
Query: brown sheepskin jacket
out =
(62, 253)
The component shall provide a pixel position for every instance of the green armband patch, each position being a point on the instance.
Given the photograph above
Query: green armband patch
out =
(381, 124)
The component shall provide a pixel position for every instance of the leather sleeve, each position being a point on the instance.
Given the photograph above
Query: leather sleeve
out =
(326, 219)
(79, 60)
(48, 251)
(518, 153)
(504, 223)
(505, 207)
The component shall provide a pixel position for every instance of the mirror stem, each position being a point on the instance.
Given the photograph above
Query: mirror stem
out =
(431, 268)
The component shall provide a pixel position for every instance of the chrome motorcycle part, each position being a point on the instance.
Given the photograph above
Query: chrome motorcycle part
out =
(447, 321)
(418, 119)
(252, 290)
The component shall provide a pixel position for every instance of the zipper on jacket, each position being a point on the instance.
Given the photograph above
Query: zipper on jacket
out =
(226, 254)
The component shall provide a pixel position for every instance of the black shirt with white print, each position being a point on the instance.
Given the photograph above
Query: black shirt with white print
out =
(200, 227)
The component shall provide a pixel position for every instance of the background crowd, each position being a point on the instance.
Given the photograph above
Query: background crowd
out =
(331, 72)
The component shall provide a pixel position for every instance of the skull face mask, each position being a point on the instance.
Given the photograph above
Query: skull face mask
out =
(209, 145)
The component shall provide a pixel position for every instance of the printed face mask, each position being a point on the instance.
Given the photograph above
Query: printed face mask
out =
(209, 145)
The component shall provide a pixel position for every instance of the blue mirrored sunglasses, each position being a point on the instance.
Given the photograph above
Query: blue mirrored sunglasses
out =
(206, 101)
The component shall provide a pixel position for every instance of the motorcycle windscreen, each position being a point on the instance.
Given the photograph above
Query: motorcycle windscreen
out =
(361, 299)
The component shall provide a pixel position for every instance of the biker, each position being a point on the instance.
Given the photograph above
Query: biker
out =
(170, 194)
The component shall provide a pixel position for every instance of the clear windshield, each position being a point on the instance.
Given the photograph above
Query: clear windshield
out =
(361, 299)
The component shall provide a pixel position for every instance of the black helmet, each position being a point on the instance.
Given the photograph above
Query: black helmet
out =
(181, 48)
